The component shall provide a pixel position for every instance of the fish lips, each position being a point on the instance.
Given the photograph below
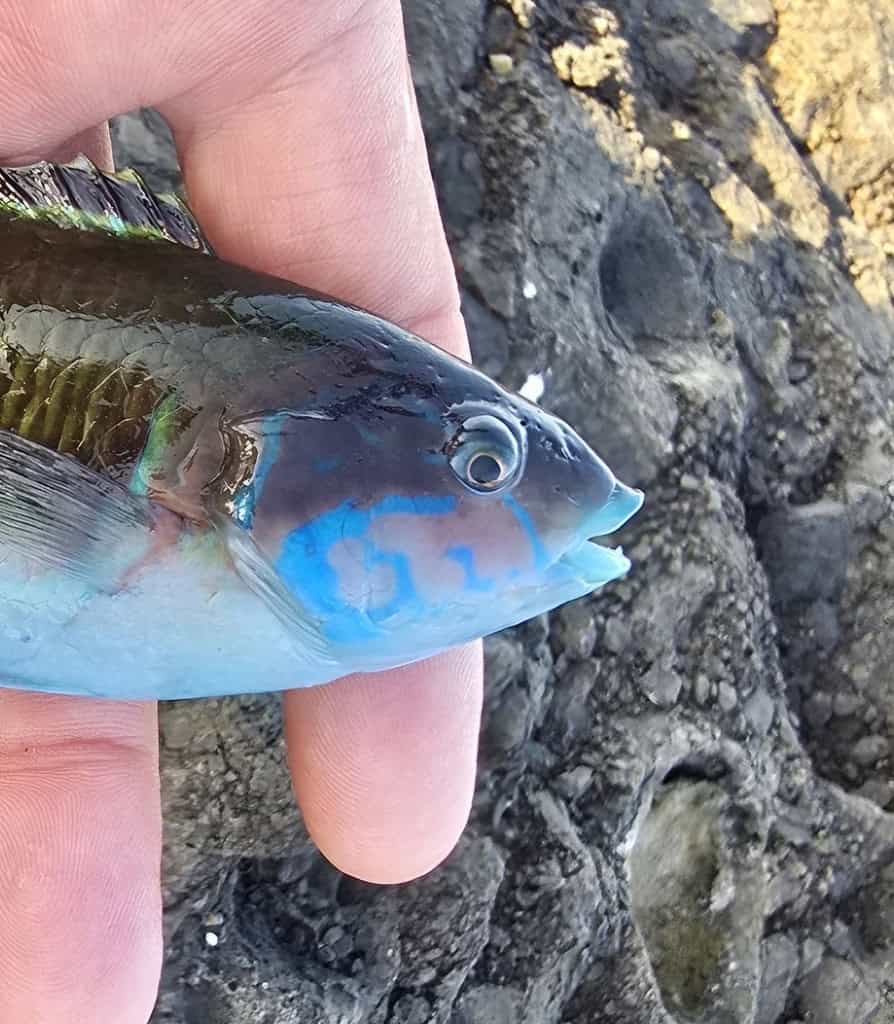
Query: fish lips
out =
(590, 563)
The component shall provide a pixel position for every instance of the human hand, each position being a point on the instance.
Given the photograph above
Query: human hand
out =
(303, 156)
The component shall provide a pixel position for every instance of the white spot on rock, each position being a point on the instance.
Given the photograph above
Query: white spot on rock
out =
(533, 387)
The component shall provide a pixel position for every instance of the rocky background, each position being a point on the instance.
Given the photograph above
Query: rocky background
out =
(681, 214)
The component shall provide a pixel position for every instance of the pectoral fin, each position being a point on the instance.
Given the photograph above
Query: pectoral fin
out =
(62, 516)
(261, 578)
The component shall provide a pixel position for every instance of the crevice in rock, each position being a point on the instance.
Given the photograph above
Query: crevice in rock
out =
(697, 900)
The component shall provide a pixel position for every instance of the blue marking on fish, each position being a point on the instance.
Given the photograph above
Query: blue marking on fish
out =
(304, 565)
(538, 551)
(466, 558)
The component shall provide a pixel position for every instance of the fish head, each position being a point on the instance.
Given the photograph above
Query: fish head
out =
(413, 512)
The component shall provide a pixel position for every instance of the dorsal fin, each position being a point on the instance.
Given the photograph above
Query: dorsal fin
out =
(79, 195)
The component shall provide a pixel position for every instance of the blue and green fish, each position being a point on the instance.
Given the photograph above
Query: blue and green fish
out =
(213, 481)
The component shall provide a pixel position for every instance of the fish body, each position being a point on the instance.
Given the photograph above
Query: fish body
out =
(214, 481)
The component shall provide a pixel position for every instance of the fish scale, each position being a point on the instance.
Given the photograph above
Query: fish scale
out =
(77, 407)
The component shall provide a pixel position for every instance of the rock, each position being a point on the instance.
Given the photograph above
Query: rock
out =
(144, 140)
(805, 550)
(661, 685)
(877, 926)
(576, 631)
(616, 635)
(870, 749)
(760, 711)
(488, 335)
(488, 1004)
(727, 697)
(698, 904)
(835, 993)
(702, 689)
(780, 959)
(649, 282)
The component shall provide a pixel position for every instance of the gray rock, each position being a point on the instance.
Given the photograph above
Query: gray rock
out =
(870, 749)
(727, 697)
(760, 711)
(836, 993)
(144, 140)
(877, 926)
(780, 959)
(488, 1004)
(576, 631)
(805, 551)
(699, 904)
(661, 685)
(488, 335)
(702, 689)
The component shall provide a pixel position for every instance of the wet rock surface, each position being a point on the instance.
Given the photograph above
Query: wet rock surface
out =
(679, 213)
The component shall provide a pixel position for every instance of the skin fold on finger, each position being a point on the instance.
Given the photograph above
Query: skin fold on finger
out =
(80, 841)
(303, 156)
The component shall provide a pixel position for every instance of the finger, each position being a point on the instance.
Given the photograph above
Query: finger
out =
(95, 143)
(80, 841)
(303, 156)
(384, 764)
(296, 125)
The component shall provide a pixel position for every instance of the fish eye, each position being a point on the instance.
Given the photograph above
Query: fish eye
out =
(485, 454)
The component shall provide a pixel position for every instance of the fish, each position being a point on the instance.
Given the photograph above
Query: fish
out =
(214, 481)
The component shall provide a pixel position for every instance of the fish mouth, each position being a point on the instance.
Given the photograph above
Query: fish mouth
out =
(595, 564)
(621, 505)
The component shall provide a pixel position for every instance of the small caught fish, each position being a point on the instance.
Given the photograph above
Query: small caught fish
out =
(214, 481)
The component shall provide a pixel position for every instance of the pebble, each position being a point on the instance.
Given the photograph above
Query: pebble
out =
(574, 783)
(760, 710)
(616, 635)
(501, 63)
(727, 697)
(845, 704)
(869, 750)
(661, 685)
(651, 158)
(702, 689)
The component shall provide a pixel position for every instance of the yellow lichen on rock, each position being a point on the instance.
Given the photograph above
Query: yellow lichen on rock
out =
(744, 211)
(588, 66)
(523, 11)
(867, 263)
(598, 20)
(788, 177)
(501, 63)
